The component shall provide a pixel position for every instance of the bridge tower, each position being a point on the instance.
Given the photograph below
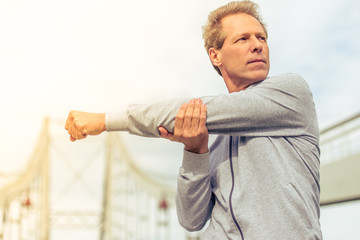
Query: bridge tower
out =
(24, 199)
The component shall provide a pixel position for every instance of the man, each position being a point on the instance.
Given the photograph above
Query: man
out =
(260, 178)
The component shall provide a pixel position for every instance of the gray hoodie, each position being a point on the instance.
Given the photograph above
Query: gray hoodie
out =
(261, 177)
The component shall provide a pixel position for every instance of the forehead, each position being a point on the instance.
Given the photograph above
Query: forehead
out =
(239, 24)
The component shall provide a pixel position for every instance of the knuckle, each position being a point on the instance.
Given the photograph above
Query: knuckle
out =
(179, 117)
(183, 107)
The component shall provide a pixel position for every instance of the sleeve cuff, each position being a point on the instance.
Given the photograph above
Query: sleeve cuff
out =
(116, 121)
(196, 163)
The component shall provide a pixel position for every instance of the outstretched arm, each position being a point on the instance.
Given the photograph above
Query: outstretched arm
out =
(278, 106)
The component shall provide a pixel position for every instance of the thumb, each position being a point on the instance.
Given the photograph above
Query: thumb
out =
(164, 133)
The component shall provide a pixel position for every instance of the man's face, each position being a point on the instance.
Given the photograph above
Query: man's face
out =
(244, 57)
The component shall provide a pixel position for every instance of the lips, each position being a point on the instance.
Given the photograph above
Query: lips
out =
(257, 60)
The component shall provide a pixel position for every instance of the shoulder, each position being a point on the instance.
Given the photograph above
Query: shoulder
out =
(288, 82)
(291, 79)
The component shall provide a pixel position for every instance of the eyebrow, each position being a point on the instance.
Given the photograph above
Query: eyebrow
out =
(245, 34)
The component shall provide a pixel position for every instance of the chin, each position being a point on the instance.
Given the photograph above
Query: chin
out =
(257, 77)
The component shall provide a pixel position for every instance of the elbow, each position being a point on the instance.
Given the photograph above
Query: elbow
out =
(192, 219)
(192, 225)
(194, 205)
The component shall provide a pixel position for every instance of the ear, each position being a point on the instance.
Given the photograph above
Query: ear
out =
(215, 57)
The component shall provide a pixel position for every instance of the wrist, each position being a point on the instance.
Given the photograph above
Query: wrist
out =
(102, 121)
(200, 150)
(195, 163)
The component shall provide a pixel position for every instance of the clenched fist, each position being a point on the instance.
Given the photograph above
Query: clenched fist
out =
(81, 124)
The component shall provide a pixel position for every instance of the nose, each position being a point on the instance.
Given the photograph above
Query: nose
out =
(256, 45)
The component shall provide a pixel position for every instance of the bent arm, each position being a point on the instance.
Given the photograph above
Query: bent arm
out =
(278, 106)
(193, 199)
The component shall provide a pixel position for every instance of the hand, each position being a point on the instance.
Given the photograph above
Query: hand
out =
(81, 124)
(190, 127)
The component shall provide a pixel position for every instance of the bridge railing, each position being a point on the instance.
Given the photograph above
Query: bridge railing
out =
(340, 161)
(340, 140)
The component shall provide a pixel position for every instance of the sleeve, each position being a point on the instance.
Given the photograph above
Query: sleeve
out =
(277, 106)
(194, 196)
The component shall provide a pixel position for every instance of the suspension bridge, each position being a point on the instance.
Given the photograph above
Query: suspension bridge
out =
(94, 189)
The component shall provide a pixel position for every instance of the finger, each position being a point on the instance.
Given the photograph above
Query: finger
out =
(165, 134)
(81, 133)
(72, 139)
(70, 124)
(68, 120)
(196, 114)
(71, 129)
(189, 114)
(84, 133)
(74, 131)
(202, 122)
(179, 119)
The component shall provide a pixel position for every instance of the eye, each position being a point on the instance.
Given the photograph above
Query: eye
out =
(262, 38)
(241, 39)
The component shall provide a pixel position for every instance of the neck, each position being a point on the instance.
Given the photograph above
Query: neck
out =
(239, 84)
(236, 85)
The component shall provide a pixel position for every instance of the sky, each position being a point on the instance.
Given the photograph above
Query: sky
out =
(101, 55)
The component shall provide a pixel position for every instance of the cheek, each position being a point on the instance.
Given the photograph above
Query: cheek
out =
(266, 51)
(266, 55)
(236, 58)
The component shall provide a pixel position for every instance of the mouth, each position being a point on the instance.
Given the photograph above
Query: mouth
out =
(256, 61)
